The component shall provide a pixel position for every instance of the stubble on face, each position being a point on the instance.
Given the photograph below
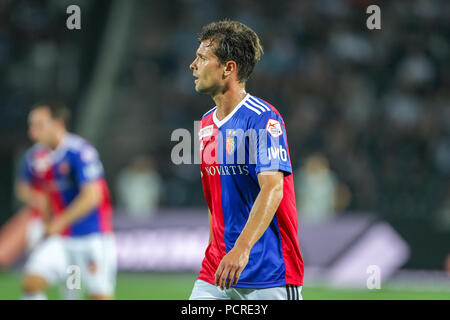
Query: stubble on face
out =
(206, 68)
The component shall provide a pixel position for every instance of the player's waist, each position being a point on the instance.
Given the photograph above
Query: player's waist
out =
(103, 209)
(86, 233)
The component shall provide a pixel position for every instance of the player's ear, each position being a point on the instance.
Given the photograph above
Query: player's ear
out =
(229, 68)
(60, 122)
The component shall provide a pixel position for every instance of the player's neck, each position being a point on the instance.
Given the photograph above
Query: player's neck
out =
(228, 100)
(59, 139)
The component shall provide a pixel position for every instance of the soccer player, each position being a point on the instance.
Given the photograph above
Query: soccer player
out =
(24, 229)
(253, 252)
(79, 233)
(28, 191)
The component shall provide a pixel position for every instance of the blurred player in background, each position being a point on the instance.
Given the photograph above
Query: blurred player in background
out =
(78, 231)
(254, 251)
(29, 193)
(25, 227)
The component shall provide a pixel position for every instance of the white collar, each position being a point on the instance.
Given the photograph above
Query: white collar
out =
(220, 123)
(61, 148)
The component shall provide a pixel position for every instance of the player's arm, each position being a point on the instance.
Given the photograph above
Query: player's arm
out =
(88, 172)
(22, 190)
(87, 200)
(41, 200)
(33, 198)
(261, 215)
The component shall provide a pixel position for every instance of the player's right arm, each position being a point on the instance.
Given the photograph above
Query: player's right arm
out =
(33, 198)
(23, 182)
(22, 189)
(30, 191)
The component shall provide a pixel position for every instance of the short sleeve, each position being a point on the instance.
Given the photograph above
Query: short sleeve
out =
(27, 174)
(268, 143)
(24, 171)
(87, 165)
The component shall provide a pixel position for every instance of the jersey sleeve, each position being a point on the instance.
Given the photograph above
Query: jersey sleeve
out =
(24, 172)
(87, 165)
(268, 144)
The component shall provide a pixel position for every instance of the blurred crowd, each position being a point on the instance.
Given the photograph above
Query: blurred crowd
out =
(367, 111)
(374, 104)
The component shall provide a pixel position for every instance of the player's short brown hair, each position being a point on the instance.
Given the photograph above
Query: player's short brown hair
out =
(58, 110)
(235, 41)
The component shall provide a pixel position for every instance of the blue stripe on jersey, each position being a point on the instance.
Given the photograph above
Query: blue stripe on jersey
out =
(239, 193)
(89, 224)
(239, 189)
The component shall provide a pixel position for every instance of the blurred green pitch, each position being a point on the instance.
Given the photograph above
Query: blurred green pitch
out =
(165, 286)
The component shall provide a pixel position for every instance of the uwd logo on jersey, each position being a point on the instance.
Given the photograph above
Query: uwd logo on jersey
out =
(277, 153)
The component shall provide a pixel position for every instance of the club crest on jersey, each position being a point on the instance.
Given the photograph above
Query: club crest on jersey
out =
(230, 145)
(274, 128)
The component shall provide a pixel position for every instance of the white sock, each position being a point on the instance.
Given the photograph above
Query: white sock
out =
(34, 296)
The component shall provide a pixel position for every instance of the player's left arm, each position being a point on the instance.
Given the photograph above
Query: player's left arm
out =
(89, 173)
(261, 215)
(88, 199)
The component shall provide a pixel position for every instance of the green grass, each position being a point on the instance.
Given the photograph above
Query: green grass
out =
(163, 286)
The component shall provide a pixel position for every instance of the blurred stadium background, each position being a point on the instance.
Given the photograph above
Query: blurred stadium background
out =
(367, 113)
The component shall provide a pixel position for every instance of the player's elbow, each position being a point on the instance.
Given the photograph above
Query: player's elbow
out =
(92, 195)
(96, 199)
(278, 191)
(272, 185)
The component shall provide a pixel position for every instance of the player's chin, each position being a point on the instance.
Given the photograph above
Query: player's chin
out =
(200, 89)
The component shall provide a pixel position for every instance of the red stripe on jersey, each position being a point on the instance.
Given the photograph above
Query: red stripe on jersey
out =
(56, 198)
(37, 191)
(212, 190)
(271, 106)
(105, 209)
(287, 221)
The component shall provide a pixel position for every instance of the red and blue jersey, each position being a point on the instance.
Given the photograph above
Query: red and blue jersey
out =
(25, 174)
(233, 151)
(62, 173)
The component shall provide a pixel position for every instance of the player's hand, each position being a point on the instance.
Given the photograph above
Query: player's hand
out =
(55, 226)
(230, 268)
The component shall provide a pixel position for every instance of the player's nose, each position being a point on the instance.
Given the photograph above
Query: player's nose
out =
(193, 65)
